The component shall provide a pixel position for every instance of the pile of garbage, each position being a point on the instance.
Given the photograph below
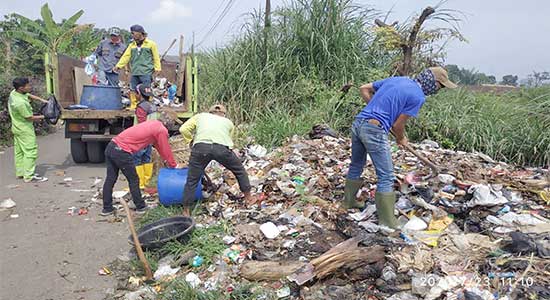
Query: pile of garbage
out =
(479, 229)
(164, 92)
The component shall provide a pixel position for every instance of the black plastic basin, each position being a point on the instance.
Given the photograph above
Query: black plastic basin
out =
(158, 233)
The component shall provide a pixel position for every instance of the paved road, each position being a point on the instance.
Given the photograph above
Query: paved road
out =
(45, 253)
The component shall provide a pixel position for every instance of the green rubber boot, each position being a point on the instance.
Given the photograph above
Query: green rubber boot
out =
(350, 194)
(385, 204)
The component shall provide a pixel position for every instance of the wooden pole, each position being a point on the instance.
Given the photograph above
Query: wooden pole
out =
(137, 244)
(181, 70)
(267, 25)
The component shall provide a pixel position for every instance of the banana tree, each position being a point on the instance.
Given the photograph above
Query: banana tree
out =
(49, 37)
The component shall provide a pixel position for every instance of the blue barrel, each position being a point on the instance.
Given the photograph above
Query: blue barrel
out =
(171, 184)
(101, 97)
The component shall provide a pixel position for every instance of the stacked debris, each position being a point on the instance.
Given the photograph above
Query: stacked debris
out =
(478, 230)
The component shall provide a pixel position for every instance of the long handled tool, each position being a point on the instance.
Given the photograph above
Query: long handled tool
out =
(141, 255)
(166, 52)
(435, 169)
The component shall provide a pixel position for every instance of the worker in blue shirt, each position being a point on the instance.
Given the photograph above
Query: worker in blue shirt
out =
(390, 103)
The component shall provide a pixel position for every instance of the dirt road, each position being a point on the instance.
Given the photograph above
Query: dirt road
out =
(46, 253)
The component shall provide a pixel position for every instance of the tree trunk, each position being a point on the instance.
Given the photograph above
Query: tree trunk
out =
(406, 67)
(269, 270)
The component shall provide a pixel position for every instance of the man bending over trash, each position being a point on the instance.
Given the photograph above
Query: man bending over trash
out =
(212, 141)
(390, 103)
(118, 156)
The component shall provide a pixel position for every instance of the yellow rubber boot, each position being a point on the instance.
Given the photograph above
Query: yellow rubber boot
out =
(133, 99)
(147, 173)
(139, 171)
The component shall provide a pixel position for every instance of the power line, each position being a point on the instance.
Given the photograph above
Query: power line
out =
(212, 16)
(218, 21)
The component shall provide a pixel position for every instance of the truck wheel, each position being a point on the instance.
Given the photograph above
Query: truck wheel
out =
(96, 152)
(78, 151)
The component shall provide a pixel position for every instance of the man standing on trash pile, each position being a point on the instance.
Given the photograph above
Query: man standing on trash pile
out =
(24, 138)
(118, 156)
(211, 141)
(108, 53)
(390, 103)
(144, 59)
(145, 110)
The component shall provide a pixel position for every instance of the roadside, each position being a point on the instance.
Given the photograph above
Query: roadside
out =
(50, 253)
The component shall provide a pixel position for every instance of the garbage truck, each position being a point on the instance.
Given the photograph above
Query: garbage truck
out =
(91, 129)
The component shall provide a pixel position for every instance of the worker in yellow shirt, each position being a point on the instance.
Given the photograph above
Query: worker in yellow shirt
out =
(143, 56)
(211, 136)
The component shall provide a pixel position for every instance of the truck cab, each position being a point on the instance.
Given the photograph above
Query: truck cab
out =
(91, 129)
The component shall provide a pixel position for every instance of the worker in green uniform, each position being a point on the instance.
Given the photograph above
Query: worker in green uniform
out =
(24, 139)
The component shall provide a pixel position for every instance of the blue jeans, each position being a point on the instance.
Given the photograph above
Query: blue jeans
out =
(140, 79)
(143, 156)
(108, 78)
(372, 140)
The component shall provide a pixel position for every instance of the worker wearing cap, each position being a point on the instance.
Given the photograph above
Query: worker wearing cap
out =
(211, 136)
(119, 151)
(145, 110)
(144, 59)
(108, 53)
(390, 103)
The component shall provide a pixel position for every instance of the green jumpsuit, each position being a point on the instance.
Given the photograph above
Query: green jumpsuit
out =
(24, 139)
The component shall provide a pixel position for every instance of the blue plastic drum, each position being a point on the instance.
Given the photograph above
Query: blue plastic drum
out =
(171, 184)
(101, 97)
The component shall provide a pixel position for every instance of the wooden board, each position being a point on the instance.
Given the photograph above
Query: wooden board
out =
(80, 79)
(66, 92)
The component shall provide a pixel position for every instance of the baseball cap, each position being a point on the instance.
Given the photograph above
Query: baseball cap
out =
(217, 108)
(137, 28)
(144, 90)
(114, 31)
(441, 76)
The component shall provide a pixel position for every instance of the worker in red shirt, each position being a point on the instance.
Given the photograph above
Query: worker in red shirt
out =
(118, 156)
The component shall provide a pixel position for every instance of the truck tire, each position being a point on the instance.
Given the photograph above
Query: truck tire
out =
(78, 151)
(96, 152)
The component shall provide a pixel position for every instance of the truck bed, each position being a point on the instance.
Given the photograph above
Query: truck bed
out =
(67, 114)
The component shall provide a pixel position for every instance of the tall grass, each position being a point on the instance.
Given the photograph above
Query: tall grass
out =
(286, 84)
(514, 127)
(310, 42)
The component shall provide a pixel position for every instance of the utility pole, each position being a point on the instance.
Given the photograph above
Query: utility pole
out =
(267, 26)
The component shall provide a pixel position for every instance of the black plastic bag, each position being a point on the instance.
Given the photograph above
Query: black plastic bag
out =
(51, 110)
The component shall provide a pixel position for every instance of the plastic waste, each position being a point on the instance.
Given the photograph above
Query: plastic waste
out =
(283, 292)
(193, 280)
(197, 261)
(446, 178)
(485, 195)
(51, 110)
(365, 214)
(270, 230)
(90, 61)
(7, 204)
(415, 223)
(165, 270)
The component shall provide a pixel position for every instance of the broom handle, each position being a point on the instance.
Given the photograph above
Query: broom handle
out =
(141, 255)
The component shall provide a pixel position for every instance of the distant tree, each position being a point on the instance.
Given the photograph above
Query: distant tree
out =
(418, 45)
(468, 76)
(510, 80)
(537, 79)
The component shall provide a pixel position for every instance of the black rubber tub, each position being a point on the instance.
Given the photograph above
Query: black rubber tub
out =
(158, 233)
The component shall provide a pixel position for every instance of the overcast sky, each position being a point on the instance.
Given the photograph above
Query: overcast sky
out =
(505, 36)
